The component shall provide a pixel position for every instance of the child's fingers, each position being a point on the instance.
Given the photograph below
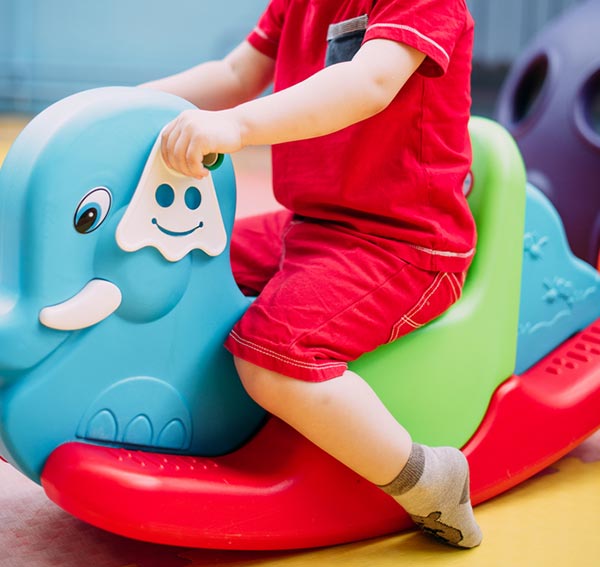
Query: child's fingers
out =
(194, 159)
(166, 131)
(178, 152)
(174, 150)
(169, 138)
(182, 149)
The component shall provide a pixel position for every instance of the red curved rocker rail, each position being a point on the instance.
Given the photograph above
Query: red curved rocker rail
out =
(279, 491)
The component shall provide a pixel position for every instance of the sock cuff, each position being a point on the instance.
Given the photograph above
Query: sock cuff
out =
(410, 474)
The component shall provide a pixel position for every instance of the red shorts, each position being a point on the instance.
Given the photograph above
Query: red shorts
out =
(326, 295)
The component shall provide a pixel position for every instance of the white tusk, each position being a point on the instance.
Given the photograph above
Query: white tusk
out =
(94, 303)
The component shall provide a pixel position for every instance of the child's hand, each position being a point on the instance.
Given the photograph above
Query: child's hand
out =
(195, 134)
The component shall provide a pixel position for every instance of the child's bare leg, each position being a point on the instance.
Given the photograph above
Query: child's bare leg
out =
(346, 419)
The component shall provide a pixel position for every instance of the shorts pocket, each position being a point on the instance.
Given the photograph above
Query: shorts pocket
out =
(344, 39)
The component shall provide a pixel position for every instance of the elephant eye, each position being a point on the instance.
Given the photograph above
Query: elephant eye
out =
(92, 210)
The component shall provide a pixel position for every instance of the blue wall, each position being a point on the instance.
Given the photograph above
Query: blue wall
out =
(51, 48)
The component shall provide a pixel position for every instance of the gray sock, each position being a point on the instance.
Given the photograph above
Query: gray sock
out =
(433, 488)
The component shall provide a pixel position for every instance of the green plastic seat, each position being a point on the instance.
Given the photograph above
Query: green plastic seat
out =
(439, 379)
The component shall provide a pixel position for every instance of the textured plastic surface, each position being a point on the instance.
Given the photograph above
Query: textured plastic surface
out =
(536, 418)
(549, 102)
(438, 380)
(277, 492)
(560, 294)
(154, 374)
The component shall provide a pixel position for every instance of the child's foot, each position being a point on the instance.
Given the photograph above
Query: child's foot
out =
(433, 488)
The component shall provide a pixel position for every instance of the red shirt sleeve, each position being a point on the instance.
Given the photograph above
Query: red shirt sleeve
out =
(265, 36)
(430, 26)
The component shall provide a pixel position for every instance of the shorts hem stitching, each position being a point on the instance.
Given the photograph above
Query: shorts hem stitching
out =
(282, 358)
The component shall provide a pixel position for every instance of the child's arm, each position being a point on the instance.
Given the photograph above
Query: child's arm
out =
(215, 85)
(336, 97)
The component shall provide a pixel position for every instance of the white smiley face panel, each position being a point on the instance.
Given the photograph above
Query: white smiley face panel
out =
(173, 213)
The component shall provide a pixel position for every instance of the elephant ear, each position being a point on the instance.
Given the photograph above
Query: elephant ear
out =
(173, 213)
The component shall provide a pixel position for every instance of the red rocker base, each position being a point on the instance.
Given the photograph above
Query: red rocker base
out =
(279, 491)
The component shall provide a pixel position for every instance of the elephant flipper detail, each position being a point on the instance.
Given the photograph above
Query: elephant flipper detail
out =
(159, 420)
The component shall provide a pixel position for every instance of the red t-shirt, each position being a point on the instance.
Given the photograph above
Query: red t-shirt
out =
(396, 177)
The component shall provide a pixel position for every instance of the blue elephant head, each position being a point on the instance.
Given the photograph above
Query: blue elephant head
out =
(100, 341)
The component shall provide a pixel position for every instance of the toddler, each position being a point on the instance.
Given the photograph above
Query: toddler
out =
(368, 123)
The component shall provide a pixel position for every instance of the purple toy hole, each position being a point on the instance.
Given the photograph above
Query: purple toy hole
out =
(588, 109)
(594, 112)
(529, 88)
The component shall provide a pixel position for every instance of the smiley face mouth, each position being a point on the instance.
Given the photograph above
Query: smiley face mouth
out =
(174, 233)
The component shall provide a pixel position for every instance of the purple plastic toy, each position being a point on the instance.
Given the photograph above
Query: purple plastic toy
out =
(550, 102)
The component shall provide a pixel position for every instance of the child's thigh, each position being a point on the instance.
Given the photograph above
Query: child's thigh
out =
(335, 297)
(256, 247)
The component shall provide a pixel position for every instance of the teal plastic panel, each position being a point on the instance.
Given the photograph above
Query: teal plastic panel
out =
(560, 294)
